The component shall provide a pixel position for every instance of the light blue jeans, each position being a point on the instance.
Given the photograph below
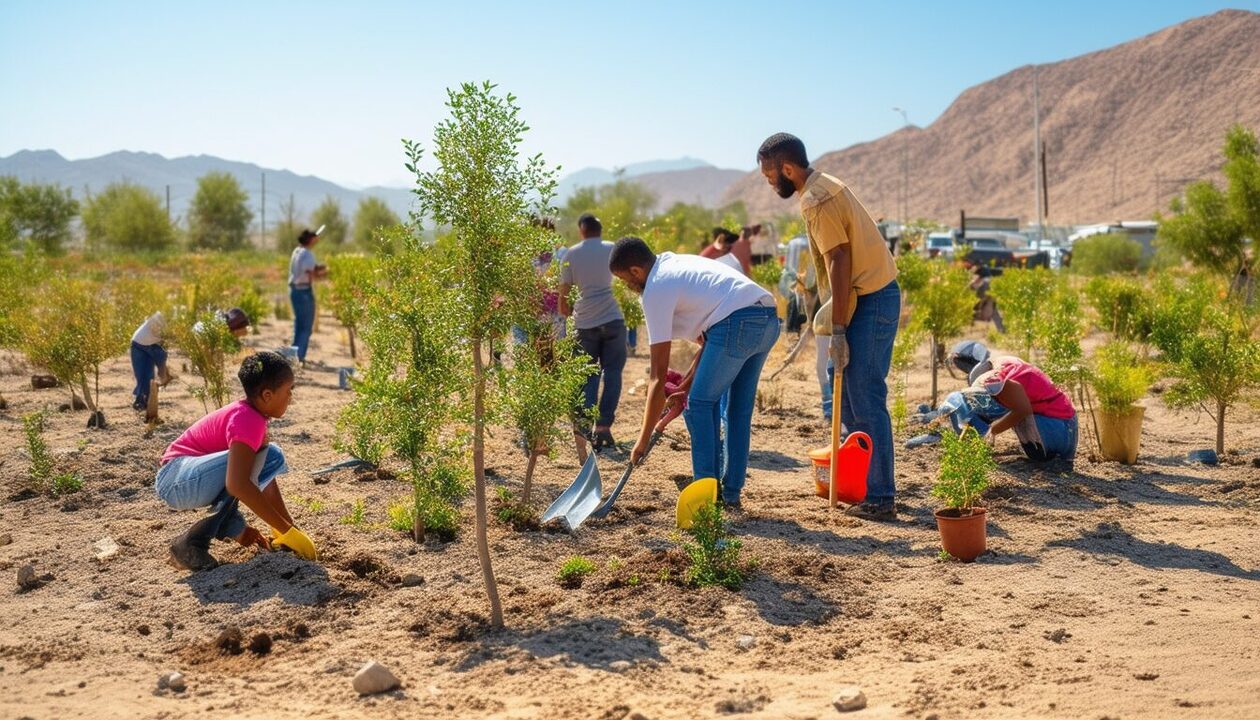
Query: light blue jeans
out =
(1059, 438)
(197, 481)
(303, 299)
(735, 349)
(864, 402)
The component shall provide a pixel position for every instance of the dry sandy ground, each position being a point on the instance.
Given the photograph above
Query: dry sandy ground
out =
(1109, 592)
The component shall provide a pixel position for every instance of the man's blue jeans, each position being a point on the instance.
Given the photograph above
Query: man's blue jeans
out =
(864, 401)
(189, 482)
(303, 299)
(145, 360)
(735, 349)
(606, 345)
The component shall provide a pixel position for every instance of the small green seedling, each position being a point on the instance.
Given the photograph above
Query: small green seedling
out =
(574, 571)
(66, 483)
(713, 551)
(41, 460)
(356, 516)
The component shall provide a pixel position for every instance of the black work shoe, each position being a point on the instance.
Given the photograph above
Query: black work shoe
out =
(872, 511)
(189, 555)
(601, 439)
(732, 506)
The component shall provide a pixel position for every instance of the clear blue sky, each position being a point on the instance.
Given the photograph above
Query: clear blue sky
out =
(329, 88)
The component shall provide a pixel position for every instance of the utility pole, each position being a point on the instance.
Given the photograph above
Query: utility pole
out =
(905, 169)
(1037, 159)
(262, 230)
(168, 203)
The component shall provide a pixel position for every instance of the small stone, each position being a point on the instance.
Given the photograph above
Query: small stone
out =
(104, 549)
(1146, 676)
(5, 539)
(173, 681)
(620, 666)
(746, 642)
(412, 580)
(849, 699)
(373, 678)
(26, 579)
(143, 630)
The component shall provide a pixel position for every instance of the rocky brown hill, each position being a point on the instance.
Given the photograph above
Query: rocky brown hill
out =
(1124, 128)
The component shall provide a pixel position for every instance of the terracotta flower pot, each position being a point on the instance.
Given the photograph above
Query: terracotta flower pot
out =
(963, 536)
(1120, 433)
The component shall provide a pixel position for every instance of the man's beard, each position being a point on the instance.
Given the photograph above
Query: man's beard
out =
(784, 187)
(635, 288)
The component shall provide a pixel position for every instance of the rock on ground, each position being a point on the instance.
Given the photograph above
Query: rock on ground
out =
(374, 678)
(849, 699)
(171, 681)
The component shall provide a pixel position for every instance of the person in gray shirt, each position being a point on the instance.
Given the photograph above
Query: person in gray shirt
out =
(600, 326)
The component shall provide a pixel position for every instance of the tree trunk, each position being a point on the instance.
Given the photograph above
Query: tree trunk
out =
(417, 526)
(934, 371)
(350, 330)
(1220, 429)
(87, 395)
(151, 410)
(529, 476)
(580, 442)
(479, 481)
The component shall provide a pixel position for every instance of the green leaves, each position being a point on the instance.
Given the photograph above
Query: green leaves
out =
(219, 216)
(1120, 379)
(714, 553)
(1021, 295)
(127, 217)
(36, 213)
(966, 463)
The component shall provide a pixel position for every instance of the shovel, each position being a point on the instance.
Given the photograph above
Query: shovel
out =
(581, 498)
(673, 410)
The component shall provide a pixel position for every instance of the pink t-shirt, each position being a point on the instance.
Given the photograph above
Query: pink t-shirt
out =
(237, 422)
(1047, 400)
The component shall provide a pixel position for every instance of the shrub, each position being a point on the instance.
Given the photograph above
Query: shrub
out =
(41, 470)
(904, 347)
(1123, 305)
(1216, 363)
(966, 462)
(943, 308)
(219, 215)
(1059, 335)
(127, 217)
(351, 278)
(1021, 296)
(208, 343)
(518, 515)
(713, 552)
(574, 571)
(913, 273)
(36, 214)
(372, 216)
(356, 516)
(767, 275)
(336, 229)
(1106, 253)
(1120, 379)
(71, 332)
(66, 483)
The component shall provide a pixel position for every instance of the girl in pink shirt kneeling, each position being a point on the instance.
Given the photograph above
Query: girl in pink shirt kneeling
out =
(224, 459)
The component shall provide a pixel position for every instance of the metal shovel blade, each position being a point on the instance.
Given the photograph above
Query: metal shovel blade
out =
(581, 498)
(606, 506)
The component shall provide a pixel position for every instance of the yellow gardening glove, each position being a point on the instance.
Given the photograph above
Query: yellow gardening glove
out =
(297, 541)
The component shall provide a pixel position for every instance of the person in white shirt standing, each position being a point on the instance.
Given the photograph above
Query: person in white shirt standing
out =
(686, 297)
(303, 270)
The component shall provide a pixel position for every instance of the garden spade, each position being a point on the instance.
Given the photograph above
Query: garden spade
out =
(694, 497)
(672, 410)
(581, 498)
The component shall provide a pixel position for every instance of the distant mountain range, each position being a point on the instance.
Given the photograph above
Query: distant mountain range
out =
(684, 180)
(1124, 130)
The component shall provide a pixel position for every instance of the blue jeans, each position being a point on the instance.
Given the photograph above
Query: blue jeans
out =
(632, 337)
(190, 482)
(605, 344)
(1058, 438)
(303, 299)
(864, 403)
(145, 360)
(735, 350)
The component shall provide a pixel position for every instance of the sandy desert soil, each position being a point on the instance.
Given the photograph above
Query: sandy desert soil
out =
(1109, 592)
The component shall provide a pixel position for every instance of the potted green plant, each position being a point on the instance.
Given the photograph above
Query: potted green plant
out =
(1119, 381)
(966, 463)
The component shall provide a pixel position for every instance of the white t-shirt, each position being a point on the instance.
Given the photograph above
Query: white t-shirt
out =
(685, 295)
(731, 260)
(150, 331)
(301, 264)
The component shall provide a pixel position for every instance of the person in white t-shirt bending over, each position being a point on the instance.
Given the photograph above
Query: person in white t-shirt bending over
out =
(303, 270)
(686, 297)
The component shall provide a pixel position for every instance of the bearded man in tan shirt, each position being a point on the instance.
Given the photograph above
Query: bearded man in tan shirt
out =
(861, 303)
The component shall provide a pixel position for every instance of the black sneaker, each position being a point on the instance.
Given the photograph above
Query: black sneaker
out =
(872, 511)
(603, 439)
(186, 555)
(732, 506)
